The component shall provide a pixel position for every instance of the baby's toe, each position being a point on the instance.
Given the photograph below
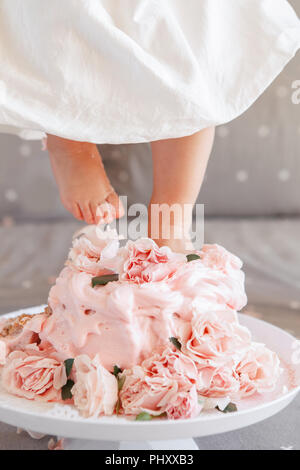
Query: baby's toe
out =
(97, 212)
(76, 211)
(105, 213)
(87, 212)
(114, 200)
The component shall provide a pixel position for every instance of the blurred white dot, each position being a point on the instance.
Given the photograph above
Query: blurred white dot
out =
(123, 176)
(223, 132)
(25, 150)
(264, 131)
(284, 175)
(11, 195)
(26, 284)
(242, 176)
(295, 305)
(116, 154)
(299, 130)
(282, 91)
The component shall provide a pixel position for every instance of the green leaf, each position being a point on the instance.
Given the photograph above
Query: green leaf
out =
(176, 343)
(192, 257)
(117, 371)
(163, 415)
(105, 279)
(144, 416)
(121, 381)
(118, 406)
(230, 408)
(66, 393)
(68, 365)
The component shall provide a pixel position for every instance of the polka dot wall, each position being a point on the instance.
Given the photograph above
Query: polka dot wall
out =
(266, 131)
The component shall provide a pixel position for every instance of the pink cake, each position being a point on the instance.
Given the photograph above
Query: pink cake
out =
(139, 331)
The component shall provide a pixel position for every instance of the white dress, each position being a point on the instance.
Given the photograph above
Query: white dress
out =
(125, 71)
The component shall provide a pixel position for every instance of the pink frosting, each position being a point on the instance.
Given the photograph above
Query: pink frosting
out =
(32, 374)
(95, 392)
(126, 320)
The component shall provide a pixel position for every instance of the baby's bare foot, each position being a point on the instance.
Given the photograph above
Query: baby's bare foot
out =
(165, 232)
(84, 187)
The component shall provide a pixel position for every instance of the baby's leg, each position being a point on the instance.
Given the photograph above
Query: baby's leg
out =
(179, 167)
(82, 181)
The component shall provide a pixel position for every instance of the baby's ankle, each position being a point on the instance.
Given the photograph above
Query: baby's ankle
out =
(169, 225)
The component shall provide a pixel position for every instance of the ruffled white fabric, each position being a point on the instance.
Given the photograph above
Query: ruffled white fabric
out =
(125, 71)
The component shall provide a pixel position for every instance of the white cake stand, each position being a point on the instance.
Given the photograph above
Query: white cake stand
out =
(91, 433)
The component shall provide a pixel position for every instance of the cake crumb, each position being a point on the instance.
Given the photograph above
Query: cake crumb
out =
(14, 326)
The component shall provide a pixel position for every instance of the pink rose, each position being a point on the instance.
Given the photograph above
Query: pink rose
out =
(258, 371)
(146, 393)
(218, 382)
(150, 386)
(216, 257)
(147, 263)
(33, 375)
(173, 364)
(183, 405)
(216, 337)
(93, 250)
(95, 391)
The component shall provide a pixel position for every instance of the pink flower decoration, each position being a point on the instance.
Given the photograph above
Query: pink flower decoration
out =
(34, 375)
(216, 257)
(147, 263)
(183, 405)
(173, 364)
(151, 386)
(258, 371)
(218, 382)
(146, 393)
(93, 250)
(216, 337)
(95, 391)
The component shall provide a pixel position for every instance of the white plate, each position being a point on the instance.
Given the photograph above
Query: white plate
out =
(64, 420)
